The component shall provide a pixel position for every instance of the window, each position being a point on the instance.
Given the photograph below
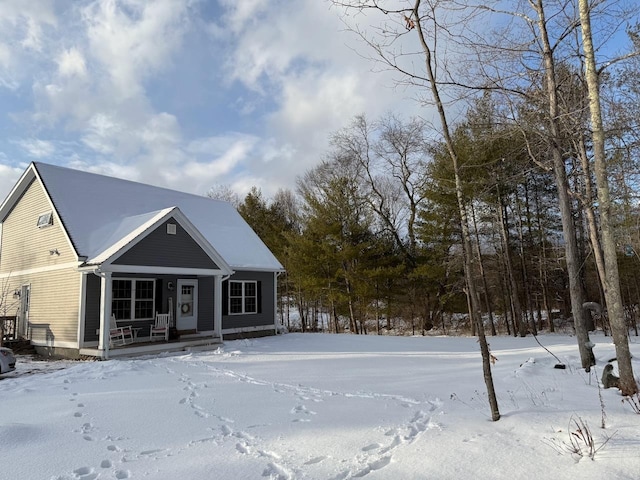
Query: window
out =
(133, 299)
(45, 219)
(243, 297)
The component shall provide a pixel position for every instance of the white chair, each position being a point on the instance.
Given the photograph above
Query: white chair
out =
(161, 327)
(119, 336)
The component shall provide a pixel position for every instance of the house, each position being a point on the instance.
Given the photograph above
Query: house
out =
(77, 247)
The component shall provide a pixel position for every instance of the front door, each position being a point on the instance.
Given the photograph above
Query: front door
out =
(187, 311)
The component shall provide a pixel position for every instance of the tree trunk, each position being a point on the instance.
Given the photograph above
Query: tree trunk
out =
(466, 242)
(627, 385)
(515, 300)
(487, 300)
(568, 228)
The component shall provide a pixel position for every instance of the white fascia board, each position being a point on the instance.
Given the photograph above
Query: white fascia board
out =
(128, 241)
(244, 268)
(197, 236)
(159, 270)
(106, 258)
(53, 209)
(16, 192)
(29, 175)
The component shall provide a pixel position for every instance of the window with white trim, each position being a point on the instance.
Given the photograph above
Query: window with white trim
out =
(133, 299)
(243, 297)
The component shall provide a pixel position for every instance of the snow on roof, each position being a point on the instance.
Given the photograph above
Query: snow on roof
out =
(89, 205)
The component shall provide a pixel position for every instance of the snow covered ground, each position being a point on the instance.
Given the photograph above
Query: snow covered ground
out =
(316, 406)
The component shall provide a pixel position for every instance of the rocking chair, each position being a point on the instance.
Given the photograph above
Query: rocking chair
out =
(161, 326)
(119, 336)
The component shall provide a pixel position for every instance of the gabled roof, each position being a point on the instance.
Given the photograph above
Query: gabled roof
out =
(98, 212)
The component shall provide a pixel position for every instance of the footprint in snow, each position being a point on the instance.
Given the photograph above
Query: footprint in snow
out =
(242, 448)
(373, 446)
(85, 473)
(315, 460)
(373, 466)
(278, 472)
(302, 409)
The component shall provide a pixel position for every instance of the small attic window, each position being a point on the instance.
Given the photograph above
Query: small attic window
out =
(45, 219)
(171, 228)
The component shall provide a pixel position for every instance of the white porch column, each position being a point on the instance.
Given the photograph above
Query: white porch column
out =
(82, 308)
(105, 312)
(217, 306)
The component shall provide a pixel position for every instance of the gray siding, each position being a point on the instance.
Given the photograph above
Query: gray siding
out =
(159, 249)
(205, 303)
(265, 297)
(92, 308)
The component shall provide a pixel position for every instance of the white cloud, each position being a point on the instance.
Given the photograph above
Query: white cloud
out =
(8, 177)
(37, 148)
(134, 39)
(298, 57)
(5, 55)
(26, 19)
(285, 71)
(71, 63)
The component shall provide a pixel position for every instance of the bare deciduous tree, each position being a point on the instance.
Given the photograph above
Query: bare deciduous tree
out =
(421, 18)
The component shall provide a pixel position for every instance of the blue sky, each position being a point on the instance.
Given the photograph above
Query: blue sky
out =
(186, 94)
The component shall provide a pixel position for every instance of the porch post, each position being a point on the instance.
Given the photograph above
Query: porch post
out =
(217, 308)
(82, 309)
(105, 312)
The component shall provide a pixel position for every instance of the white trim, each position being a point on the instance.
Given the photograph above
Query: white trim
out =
(111, 254)
(157, 270)
(105, 312)
(50, 268)
(54, 210)
(248, 329)
(17, 191)
(244, 268)
(82, 309)
(243, 297)
(133, 298)
(54, 344)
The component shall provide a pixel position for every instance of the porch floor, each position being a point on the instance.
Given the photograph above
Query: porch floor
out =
(144, 347)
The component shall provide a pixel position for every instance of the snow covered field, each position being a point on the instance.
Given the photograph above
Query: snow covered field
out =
(316, 406)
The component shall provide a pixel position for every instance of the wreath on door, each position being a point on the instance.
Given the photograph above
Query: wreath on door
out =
(186, 308)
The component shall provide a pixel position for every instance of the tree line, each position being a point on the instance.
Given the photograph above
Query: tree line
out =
(520, 215)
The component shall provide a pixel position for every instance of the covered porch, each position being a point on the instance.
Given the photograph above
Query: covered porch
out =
(193, 302)
(164, 266)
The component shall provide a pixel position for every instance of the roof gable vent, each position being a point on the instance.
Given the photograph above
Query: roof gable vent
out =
(171, 228)
(45, 219)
